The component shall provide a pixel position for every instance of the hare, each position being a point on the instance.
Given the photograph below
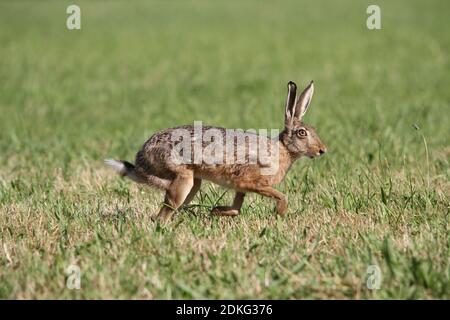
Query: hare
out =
(159, 163)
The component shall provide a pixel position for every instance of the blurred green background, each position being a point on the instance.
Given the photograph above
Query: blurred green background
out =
(69, 99)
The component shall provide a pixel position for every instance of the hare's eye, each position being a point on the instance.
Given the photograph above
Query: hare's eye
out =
(301, 133)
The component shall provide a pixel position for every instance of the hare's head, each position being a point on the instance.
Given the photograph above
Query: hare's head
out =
(298, 138)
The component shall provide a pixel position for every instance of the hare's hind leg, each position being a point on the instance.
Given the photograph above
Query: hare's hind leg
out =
(230, 210)
(176, 195)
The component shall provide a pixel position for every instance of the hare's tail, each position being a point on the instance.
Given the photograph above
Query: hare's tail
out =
(126, 169)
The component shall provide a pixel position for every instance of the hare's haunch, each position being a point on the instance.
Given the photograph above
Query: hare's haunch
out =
(178, 159)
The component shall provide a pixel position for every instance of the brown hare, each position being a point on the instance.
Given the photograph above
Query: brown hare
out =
(161, 162)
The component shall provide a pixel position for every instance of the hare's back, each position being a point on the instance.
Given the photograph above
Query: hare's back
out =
(203, 148)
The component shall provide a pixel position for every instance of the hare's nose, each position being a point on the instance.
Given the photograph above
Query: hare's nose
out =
(322, 151)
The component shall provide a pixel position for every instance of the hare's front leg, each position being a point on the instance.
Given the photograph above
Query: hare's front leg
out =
(279, 197)
(230, 210)
(176, 194)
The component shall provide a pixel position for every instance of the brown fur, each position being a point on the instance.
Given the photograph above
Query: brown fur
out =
(154, 165)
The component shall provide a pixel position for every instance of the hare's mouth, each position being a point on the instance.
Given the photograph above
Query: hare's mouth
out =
(314, 155)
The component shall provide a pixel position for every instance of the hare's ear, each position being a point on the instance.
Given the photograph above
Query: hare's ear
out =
(303, 101)
(290, 105)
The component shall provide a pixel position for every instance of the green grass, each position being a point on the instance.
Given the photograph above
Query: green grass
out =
(69, 99)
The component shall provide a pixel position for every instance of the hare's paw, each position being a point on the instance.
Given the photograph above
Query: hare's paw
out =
(281, 206)
(225, 211)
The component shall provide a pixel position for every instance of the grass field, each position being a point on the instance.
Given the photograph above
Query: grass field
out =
(380, 196)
